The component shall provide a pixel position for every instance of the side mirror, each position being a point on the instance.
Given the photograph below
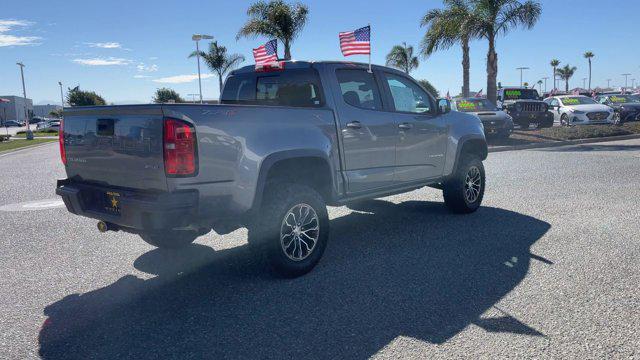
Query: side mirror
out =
(444, 106)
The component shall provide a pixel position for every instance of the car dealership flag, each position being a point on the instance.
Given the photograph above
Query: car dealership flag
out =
(357, 42)
(266, 53)
(479, 93)
(4, 100)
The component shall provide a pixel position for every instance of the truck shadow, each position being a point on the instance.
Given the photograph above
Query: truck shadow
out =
(390, 270)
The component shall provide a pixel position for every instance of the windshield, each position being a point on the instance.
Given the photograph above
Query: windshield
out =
(577, 100)
(520, 94)
(620, 99)
(473, 105)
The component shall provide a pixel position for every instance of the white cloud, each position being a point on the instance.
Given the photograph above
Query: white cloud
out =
(102, 61)
(180, 79)
(139, 76)
(14, 40)
(153, 58)
(106, 45)
(147, 68)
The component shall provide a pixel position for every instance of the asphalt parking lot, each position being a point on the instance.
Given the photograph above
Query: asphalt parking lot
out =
(547, 268)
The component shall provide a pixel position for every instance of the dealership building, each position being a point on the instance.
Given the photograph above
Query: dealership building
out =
(16, 108)
(44, 110)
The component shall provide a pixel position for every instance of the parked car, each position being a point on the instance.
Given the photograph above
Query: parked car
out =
(53, 125)
(496, 122)
(286, 141)
(11, 123)
(571, 110)
(37, 120)
(525, 106)
(42, 125)
(626, 107)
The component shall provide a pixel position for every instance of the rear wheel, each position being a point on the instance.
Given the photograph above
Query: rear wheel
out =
(170, 239)
(617, 119)
(292, 228)
(464, 191)
(564, 120)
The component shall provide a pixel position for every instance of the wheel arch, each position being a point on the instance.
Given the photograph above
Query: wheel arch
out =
(471, 144)
(312, 167)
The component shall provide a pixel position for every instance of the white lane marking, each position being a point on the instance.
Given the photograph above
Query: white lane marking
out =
(34, 205)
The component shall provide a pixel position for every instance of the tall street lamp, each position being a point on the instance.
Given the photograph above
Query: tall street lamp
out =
(61, 94)
(626, 80)
(608, 83)
(197, 38)
(522, 69)
(29, 134)
(584, 83)
(545, 83)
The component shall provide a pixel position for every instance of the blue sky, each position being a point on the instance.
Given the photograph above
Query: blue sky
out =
(124, 50)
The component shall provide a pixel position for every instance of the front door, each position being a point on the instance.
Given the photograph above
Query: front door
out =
(421, 147)
(369, 134)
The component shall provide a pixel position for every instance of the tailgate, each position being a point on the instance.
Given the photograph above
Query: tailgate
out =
(116, 146)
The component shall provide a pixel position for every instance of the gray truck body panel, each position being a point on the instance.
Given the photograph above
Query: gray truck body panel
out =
(237, 145)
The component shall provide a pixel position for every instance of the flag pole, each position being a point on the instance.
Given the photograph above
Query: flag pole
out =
(369, 25)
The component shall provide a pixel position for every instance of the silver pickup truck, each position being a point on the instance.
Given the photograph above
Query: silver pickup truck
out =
(285, 142)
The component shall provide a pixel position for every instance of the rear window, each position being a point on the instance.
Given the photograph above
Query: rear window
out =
(298, 88)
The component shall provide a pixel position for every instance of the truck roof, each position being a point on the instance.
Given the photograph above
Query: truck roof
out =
(303, 64)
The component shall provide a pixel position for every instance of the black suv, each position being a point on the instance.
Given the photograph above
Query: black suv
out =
(525, 106)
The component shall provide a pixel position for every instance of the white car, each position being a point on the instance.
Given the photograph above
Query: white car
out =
(569, 110)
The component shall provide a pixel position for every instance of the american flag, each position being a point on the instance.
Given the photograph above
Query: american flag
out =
(266, 53)
(357, 42)
(479, 93)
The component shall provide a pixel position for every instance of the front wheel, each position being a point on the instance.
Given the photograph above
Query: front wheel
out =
(464, 191)
(617, 119)
(564, 120)
(292, 227)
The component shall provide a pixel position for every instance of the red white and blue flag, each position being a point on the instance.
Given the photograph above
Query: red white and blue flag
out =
(357, 42)
(479, 93)
(266, 53)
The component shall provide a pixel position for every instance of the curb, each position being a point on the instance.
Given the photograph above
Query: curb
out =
(12, 151)
(562, 143)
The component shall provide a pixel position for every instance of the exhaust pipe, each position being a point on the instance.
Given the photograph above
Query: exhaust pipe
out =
(103, 227)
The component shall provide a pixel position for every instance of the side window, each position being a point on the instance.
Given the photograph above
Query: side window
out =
(407, 96)
(554, 102)
(359, 89)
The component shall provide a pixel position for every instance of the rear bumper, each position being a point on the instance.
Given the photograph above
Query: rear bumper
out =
(138, 211)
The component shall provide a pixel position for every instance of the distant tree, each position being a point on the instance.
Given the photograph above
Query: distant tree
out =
(56, 113)
(77, 97)
(430, 88)
(401, 57)
(275, 19)
(491, 18)
(447, 27)
(554, 64)
(219, 61)
(589, 55)
(566, 73)
(164, 95)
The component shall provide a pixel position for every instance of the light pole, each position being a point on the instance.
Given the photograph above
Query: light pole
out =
(608, 83)
(584, 83)
(522, 69)
(29, 135)
(626, 80)
(197, 38)
(633, 83)
(545, 83)
(61, 94)
(193, 97)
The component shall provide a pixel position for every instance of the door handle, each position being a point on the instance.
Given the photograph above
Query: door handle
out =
(405, 126)
(354, 125)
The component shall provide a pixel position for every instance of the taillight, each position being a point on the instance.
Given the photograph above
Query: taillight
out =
(63, 152)
(179, 142)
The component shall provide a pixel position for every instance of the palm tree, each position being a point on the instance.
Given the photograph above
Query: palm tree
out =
(446, 27)
(401, 57)
(554, 64)
(219, 61)
(589, 55)
(491, 18)
(565, 74)
(275, 19)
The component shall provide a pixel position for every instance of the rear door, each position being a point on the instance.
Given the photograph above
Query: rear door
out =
(116, 146)
(422, 134)
(369, 134)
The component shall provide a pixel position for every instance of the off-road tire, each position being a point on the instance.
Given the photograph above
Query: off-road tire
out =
(456, 187)
(169, 239)
(524, 125)
(266, 230)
